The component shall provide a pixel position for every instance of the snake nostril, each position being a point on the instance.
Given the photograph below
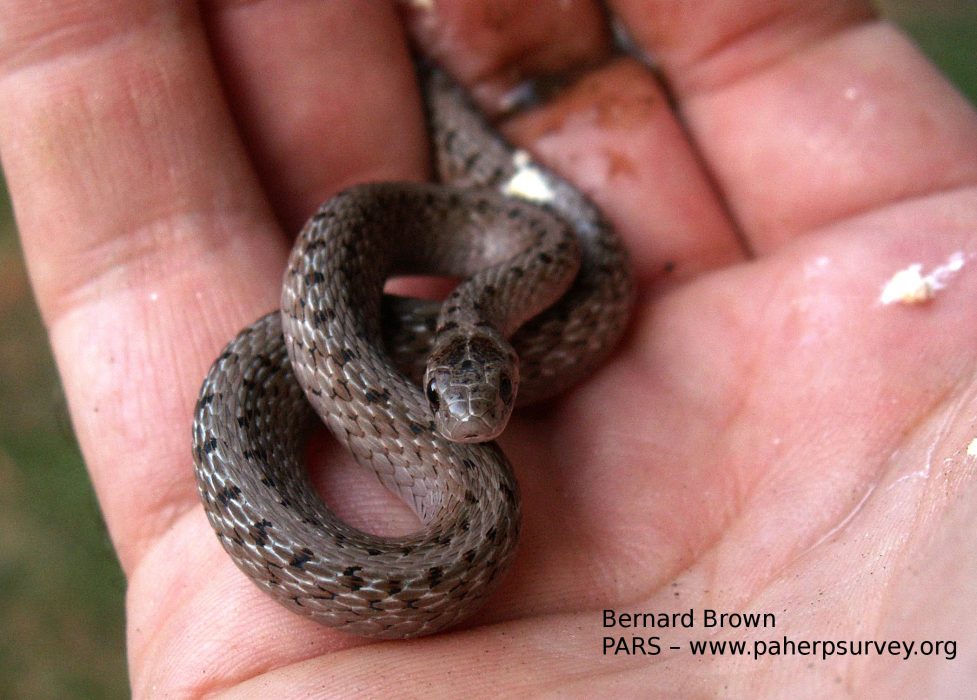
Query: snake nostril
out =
(432, 396)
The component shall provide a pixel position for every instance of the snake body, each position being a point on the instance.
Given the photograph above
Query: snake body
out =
(546, 296)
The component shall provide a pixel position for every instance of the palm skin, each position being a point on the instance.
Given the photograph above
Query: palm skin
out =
(768, 437)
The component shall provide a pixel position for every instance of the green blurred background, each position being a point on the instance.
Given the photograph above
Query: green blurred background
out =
(61, 590)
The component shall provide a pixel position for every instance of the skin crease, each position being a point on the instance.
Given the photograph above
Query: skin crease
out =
(768, 437)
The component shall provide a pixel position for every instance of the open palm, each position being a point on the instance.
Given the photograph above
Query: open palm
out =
(769, 437)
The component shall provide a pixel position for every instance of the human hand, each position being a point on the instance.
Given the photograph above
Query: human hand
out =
(768, 438)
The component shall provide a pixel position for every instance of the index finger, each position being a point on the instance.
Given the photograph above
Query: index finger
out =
(807, 113)
(147, 232)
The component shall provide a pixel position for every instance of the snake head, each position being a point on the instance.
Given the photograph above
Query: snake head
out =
(470, 384)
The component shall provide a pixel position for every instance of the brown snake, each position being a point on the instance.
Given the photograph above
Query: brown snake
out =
(547, 281)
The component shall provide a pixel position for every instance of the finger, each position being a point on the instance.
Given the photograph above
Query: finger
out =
(147, 234)
(131, 192)
(807, 113)
(324, 93)
(611, 131)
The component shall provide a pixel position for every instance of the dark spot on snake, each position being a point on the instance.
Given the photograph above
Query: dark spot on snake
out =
(563, 246)
(260, 534)
(470, 497)
(373, 396)
(241, 421)
(467, 364)
(492, 534)
(513, 213)
(255, 455)
(406, 549)
(416, 429)
(285, 502)
(489, 289)
(434, 575)
(348, 354)
(228, 494)
(296, 599)
(443, 540)
(321, 316)
(517, 271)
(469, 555)
(225, 355)
(449, 326)
(351, 570)
(471, 160)
(301, 558)
(210, 445)
(468, 463)
(394, 586)
(314, 245)
(464, 524)
(205, 400)
(545, 258)
(315, 277)
(373, 552)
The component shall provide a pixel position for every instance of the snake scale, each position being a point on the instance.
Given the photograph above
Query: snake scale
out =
(545, 296)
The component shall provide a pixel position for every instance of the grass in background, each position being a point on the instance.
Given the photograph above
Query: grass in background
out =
(946, 30)
(61, 590)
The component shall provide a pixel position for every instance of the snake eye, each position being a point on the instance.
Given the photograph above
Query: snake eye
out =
(432, 395)
(505, 388)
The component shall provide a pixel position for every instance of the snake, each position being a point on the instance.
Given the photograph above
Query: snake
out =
(416, 390)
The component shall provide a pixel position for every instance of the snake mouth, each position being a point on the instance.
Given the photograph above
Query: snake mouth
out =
(471, 428)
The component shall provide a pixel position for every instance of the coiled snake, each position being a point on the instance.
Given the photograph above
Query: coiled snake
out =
(547, 282)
